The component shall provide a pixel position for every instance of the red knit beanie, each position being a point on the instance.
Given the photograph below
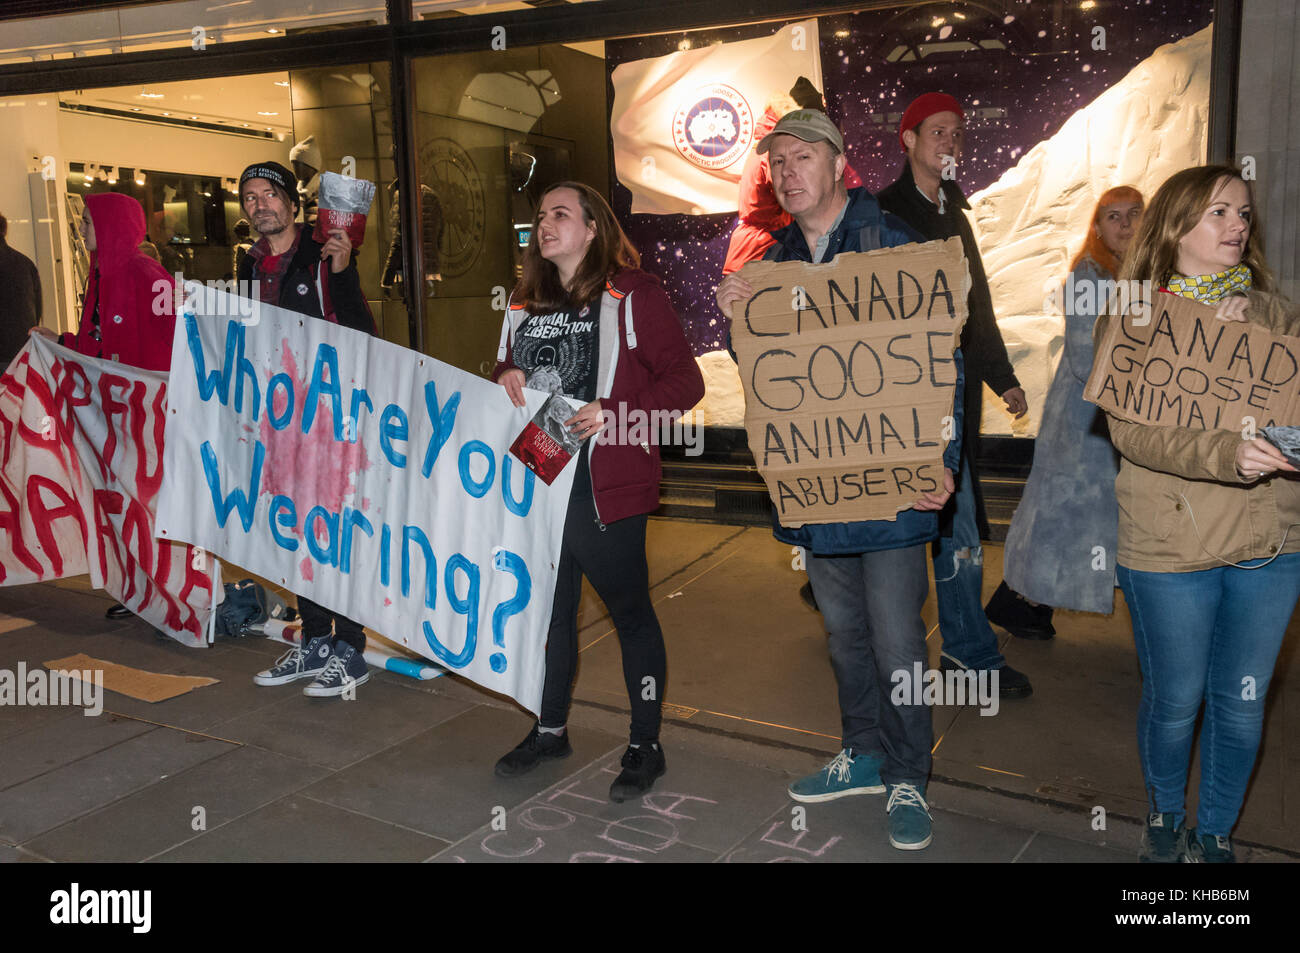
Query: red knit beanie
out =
(925, 106)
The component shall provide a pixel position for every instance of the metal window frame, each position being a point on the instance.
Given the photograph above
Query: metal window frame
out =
(402, 39)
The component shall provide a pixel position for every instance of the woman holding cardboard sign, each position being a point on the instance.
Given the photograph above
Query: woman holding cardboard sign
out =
(570, 329)
(1209, 531)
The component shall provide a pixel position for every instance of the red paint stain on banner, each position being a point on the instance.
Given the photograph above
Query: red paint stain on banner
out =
(312, 469)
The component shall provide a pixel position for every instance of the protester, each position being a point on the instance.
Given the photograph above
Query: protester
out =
(20, 297)
(571, 323)
(127, 315)
(927, 197)
(287, 264)
(869, 577)
(1209, 556)
(760, 214)
(1068, 507)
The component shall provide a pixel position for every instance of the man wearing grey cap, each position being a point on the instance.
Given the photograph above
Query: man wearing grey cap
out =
(869, 577)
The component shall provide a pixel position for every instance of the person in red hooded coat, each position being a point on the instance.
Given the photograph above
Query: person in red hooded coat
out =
(129, 310)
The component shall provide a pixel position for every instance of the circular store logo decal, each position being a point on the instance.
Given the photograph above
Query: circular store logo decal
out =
(714, 127)
(455, 180)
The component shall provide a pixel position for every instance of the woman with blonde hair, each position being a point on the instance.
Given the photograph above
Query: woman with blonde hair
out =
(1068, 506)
(1209, 555)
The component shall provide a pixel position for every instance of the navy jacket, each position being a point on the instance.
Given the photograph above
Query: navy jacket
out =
(865, 221)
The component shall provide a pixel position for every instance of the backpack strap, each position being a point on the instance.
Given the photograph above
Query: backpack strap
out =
(869, 237)
(510, 322)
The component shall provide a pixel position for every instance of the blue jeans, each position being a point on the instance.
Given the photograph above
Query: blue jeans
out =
(871, 606)
(968, 638)
(1209, 636)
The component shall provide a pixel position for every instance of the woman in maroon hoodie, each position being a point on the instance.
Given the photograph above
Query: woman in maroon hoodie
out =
(586, 322)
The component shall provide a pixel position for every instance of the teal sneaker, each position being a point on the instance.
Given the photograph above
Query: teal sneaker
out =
(844, 775)
(909, 818)
(1208, 849)
(1163, 841)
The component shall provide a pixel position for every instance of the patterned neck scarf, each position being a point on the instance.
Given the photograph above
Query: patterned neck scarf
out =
(1211, 288)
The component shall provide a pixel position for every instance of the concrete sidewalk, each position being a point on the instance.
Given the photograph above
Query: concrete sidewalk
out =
(234, 772)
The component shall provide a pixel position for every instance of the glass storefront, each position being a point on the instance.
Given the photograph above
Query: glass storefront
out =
(1056, 112)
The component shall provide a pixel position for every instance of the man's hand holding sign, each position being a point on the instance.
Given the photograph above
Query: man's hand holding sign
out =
(849, 376)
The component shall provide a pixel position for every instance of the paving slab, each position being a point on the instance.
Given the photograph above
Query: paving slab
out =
(441, 781)
(163, 815)
(537, 833)
(702, 800)
(298, 829)
(1050, 849)
(16, 855)
(61, 741)
(335, 732)
(61, 795)
(855, 830)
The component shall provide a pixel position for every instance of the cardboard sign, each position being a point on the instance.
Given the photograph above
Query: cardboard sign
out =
(369, 478)
(81, 454)
(849, 378)
(1183, 367)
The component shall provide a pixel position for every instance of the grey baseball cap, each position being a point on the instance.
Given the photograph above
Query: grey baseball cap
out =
(810, 125)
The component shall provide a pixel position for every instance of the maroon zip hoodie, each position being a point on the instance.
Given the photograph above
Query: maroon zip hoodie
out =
(645, 364)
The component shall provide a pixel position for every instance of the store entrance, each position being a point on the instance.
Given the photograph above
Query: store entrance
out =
(178, 149)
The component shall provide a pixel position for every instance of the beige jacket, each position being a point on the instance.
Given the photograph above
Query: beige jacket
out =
(1181, 502)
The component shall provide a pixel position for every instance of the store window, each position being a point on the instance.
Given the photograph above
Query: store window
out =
(492, 130)
(1062, 101)
(178, 148)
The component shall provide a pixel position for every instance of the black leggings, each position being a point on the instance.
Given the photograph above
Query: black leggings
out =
(316, 621)
(613, 559)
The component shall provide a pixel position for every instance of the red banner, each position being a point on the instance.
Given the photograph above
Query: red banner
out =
(81, 453)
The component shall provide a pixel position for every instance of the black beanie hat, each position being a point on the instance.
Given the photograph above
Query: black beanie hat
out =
(274, 173)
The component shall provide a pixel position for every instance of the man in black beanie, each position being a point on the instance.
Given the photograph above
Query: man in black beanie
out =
(291, 271)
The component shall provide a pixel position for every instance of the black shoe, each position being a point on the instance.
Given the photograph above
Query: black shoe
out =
(537, 747)
(1011, 684)
(118, 611)
(806, 594)
(1013, 612)
(640, 768)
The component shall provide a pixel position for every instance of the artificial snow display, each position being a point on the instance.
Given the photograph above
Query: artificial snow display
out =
(1031, 221)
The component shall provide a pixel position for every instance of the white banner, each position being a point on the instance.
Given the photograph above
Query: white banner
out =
(683, 124)
(82, 467)
(368, 478)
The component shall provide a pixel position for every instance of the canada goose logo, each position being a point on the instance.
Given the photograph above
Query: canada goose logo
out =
(713, 127)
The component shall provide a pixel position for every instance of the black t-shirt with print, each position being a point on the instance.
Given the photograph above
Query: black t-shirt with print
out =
(558, 352)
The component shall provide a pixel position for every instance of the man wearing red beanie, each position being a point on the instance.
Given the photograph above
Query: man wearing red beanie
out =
(927, 197)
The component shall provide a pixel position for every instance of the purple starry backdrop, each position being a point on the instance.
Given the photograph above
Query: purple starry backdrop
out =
(1020, 73)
